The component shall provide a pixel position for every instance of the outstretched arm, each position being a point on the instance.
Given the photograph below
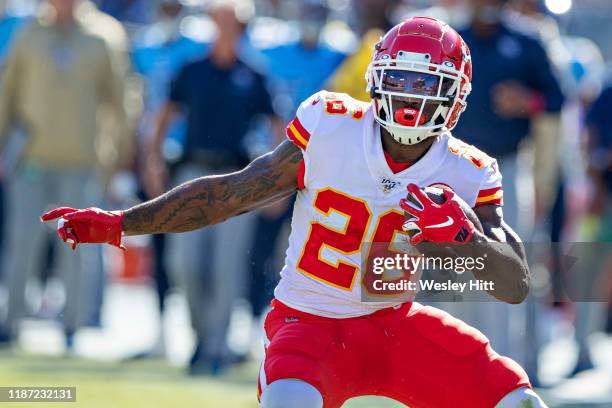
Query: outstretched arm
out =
(213, 199)
(192, 205)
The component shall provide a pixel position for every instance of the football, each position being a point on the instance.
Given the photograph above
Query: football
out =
(436, 194)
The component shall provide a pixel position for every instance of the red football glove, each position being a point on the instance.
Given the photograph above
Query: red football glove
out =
(433, 222)
(90, 225)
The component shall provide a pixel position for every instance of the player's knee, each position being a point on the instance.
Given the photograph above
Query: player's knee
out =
(291, 394)
(521, 398)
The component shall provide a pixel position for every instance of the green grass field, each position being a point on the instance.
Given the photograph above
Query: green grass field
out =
(146, 383)
(153, 383)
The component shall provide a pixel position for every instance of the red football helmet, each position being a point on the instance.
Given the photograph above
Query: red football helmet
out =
(419, 79)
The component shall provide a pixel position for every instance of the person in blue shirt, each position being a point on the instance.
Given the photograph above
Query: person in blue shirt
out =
(514, 84)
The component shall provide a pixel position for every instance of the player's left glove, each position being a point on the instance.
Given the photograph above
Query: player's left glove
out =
(432, 222)
(90, 225)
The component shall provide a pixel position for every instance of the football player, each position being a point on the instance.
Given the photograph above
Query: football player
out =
(351, 163)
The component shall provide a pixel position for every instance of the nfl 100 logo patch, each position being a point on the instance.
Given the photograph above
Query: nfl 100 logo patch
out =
(389, 185)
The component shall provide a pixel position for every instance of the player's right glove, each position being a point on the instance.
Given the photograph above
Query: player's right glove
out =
(87, 226)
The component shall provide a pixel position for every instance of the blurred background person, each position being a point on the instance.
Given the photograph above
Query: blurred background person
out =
(220, 95)
(514, 86)
(517, 86)
(59, 76)
(528, 17)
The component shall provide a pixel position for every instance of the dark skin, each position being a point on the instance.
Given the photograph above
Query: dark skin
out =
(506, 264)
(271, 177)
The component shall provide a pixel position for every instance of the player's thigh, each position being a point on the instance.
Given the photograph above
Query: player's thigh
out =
(309, 350)
(440, 361)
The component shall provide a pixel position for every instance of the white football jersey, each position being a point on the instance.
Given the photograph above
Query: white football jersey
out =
(349, 196)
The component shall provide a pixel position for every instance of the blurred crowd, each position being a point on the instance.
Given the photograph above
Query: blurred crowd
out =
(107, 103)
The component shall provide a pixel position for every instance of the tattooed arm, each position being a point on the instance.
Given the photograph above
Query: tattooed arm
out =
(192, 205)
(213, 199)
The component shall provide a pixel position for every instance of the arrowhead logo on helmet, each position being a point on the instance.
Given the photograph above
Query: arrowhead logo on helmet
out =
(419, 79)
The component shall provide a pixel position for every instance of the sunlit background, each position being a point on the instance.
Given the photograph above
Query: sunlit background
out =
(134, 328)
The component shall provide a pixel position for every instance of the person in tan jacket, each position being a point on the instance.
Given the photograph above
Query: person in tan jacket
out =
(61, 77)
